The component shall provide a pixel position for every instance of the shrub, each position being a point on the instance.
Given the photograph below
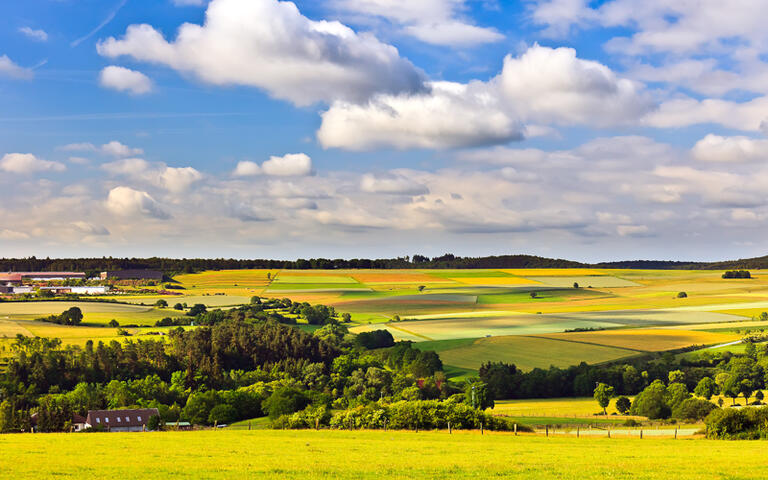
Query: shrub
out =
(623, 405)
(197, 309)
(737, 274)
(731, 423)
(161, 303)
(682, 295)
(422, 414)
(375, 339)
(222, 414)
(284, 401)
(693, 409)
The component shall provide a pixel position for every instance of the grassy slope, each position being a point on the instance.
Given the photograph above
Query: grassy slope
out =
(371, 455)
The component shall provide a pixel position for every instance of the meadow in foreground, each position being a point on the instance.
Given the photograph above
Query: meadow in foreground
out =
(364, 454)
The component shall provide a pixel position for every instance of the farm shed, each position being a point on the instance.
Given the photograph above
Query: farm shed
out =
(120, 420)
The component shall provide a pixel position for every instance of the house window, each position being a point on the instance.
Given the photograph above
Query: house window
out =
(118, 419)
(98, 420)
(106, 420)
(127, 419)
(139, 417)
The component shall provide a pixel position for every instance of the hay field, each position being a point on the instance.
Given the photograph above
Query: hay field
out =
(646, 340)
(372, 455)
(48, 308)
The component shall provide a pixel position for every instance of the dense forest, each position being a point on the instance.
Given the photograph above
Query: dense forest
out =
(173, 266)
(242, 364)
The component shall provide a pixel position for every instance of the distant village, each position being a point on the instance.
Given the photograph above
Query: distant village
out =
(72, 283)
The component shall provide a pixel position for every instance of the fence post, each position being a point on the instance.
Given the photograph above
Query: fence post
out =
(515, 429)
(449, 428)
(641, 434)
(577, 432)
(482, 431)
(249, 426)
(675, 433)
(546, 430)
(609, 433)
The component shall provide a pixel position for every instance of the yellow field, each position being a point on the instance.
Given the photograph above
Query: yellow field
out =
(646, 339)
(554, 272)
(230, 282)
(372, 455)
(551, 407)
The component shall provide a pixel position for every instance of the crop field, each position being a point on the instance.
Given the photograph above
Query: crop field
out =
(551, 407)
(372, 455)
(529, 352)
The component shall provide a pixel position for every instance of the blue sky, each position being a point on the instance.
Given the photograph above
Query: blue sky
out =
(259, 128)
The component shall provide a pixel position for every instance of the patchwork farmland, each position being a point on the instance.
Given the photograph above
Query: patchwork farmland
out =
(521, 316)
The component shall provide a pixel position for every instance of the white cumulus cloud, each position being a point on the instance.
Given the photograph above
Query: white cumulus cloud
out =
(126, 201)
(715, 148)
(269, 44)
(125, 80)
(438, 22)
(9, 69)
(543, 85)
(290, 165)
(25, 163)
(35, 34)
(178, 180)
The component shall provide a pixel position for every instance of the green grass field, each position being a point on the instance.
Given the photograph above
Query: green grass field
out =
(371, 455)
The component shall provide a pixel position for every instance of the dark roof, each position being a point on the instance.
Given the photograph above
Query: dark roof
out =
(120, 418)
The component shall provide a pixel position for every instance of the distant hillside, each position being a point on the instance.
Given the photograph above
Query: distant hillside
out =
(187, 265)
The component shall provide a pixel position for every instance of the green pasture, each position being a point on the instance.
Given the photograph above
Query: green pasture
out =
(372, 455)
(529, 352)
(595, 281)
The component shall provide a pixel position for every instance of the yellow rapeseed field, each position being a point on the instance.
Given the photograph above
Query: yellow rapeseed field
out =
(371, 455)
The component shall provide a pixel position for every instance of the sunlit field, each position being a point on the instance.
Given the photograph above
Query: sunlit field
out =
(371, 455)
